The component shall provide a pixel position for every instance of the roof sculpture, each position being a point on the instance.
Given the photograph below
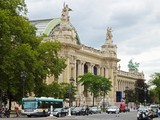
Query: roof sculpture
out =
(133, 67)
(50, 26)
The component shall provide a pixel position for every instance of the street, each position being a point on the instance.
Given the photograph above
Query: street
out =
(103, 116)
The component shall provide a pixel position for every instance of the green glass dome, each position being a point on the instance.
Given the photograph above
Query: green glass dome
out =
(47, 26)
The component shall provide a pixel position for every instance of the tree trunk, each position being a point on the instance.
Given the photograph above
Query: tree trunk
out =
(10, 101)
(93, 99)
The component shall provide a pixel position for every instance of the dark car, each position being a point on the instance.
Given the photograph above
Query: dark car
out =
(59, 112)
(80, 111)
(77, 111)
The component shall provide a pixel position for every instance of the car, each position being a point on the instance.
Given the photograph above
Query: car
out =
(154, 108)
(80, 111)
(67, 108)
(143, 113)
(112, 109)
(77, 111)
(59, 112)
(95, 110)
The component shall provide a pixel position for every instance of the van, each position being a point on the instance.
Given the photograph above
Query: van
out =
(121, 105)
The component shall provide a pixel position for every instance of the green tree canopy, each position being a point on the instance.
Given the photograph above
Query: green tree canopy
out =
(22, 51)
(95, 84)
(156, 83)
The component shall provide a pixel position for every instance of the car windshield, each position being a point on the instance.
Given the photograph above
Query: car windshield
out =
(142, 109)
(57, 109)
(94, 107)
(113, 107)
(77, 108)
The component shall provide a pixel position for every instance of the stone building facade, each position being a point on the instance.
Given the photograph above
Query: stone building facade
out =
(81, 59)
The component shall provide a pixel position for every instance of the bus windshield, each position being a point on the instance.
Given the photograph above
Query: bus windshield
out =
(29, 104)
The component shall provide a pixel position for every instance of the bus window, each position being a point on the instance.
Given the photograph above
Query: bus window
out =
(39, 104)
(58, 105)
(29, 105)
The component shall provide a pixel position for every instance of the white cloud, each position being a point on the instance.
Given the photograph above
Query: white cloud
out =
(135, 26)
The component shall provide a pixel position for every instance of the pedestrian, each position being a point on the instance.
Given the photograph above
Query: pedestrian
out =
(17, 111)
(87, 110)
(0, 112)
(159, 112)
(117, 112)
(7, 113)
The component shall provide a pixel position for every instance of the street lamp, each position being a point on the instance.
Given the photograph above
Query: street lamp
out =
(145, 92)
(70, 97)
(126, 94)
(103, 89)
(23, 77)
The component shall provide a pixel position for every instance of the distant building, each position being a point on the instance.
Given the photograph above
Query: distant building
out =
(81, 59)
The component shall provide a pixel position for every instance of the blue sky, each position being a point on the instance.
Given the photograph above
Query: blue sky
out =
(135, 24)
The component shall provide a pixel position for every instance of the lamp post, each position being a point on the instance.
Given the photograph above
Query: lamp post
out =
(70, 97)
(126, 95)
(103, 86)
(145, 91)
(23, 77)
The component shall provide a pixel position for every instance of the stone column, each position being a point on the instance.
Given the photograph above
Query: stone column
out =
(98, 70)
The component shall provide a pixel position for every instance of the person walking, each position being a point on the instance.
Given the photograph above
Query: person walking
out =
(117, 112)
(159, 112)
(7, 113)
(17, 111)
(1, 112)
(87, 110)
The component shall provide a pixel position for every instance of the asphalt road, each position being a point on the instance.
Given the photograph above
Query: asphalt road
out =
(104, 116)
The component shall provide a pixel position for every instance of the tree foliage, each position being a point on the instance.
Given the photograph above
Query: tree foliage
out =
(156, 83)
(95, 84)
(21, 50)
(140, 91)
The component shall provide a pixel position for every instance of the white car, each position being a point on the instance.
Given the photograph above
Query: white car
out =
(95, 110)
(113, 109)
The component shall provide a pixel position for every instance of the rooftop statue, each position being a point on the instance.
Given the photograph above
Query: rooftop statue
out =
(65, 12)
(133, 66)
(109, 33)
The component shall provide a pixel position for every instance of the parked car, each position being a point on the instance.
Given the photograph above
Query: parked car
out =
(80, 111)
(113, 109)
(95, 110)
(77, 111)
(59, 112)
(67, 108)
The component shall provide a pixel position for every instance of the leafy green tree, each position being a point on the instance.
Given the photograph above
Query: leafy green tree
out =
(68, 92)
(156, 83)
(130, 95)
(22, 51)
(95, 84)
(140, 91)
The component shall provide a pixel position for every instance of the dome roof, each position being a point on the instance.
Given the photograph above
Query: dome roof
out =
(46, 26)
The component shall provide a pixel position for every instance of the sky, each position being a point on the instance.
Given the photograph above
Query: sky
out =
(135, 25)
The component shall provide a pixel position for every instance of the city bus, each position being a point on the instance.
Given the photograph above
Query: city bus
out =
(39, 106)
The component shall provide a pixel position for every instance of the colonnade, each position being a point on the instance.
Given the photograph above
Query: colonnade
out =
(81, 67)
(122, 84)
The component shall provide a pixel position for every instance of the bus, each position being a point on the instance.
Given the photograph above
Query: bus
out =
(39, 106)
